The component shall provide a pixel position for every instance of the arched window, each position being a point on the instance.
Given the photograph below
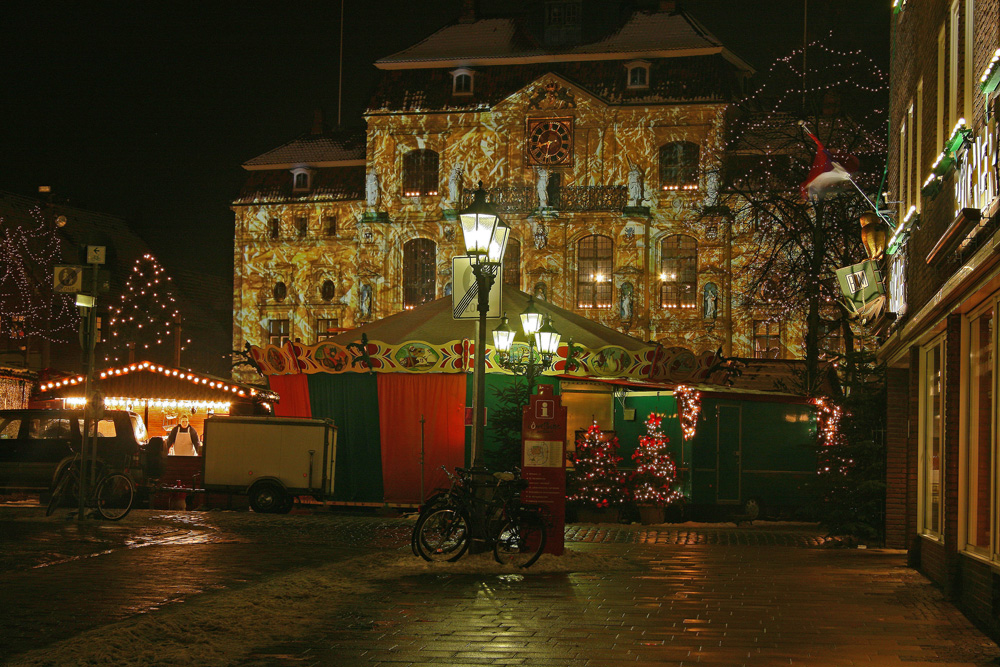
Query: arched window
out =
(301, 181)
(595, 265)
(512, 264)
(679, 166)
(420, 173)
(419, 272)
(638, 73)
(461, 80)
(679, 272)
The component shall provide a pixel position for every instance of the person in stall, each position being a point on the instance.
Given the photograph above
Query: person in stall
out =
(183, 439)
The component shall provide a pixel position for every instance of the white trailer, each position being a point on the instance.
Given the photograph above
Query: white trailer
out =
(270, 459)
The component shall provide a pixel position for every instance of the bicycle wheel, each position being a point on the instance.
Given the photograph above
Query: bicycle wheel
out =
(432, 503)
(114, 496)
(442, 534)
(521, 540)
(55, 500)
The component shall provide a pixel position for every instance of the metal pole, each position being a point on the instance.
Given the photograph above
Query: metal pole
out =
(484, 282)
(91, 461)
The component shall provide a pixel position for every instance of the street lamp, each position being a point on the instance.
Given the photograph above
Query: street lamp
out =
(485, 242)
(542, 336)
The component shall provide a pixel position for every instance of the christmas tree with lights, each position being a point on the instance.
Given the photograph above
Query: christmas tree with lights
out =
(596, 482)
(655, 474)
(143, 325)
(30, 309)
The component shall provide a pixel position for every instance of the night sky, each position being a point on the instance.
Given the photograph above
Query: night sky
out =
(147, 109)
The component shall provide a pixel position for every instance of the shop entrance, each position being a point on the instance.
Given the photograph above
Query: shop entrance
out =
(729, 448)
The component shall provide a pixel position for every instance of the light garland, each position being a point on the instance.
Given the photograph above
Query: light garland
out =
(828, 417)
(126, 403)
(595, 480)
(143, 317)
(655, 473)
(987, 82)
(688, 408)
(194, 378)
(31, 306)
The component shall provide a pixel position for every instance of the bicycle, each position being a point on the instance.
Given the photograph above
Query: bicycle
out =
(112, 496)
(447, 526)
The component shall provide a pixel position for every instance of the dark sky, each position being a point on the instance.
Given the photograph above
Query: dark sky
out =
(147, 109)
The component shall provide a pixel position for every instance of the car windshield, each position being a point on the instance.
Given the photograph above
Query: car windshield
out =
(139, 427)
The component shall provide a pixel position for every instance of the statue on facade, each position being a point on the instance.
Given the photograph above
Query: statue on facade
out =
(634, 185)
(365, 302)
(625, 293)
(542, 186)
(371, 189)
(455, 184)
(710, 301)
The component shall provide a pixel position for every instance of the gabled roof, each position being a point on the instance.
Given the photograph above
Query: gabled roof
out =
(328, 184)
(497, 41)
(313, 150)
(682, 79)
(433, 323)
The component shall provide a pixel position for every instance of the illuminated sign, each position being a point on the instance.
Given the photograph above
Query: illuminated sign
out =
(897, 283)
(975, 185)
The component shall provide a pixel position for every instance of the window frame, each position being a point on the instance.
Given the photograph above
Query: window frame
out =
(684, 175)
(768, 336)
(595, 269)
(319, 330)
(512, 264)
(462, 74)
(283, 333)
(637, 65)
(419, 279)
(676, 279)
(420, 179)
(933, 533)
(972, 448)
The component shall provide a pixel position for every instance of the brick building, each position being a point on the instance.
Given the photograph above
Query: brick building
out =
(557, 111)
(944, 283)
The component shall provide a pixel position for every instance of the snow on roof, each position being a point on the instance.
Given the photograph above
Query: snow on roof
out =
(312, 150)
(654, 34)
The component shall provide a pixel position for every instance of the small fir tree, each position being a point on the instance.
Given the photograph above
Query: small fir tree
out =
(653, 481)
(596, 481)
(146, 317)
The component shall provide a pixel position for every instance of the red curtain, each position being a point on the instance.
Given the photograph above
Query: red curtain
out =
(402, 399)
(293, 390)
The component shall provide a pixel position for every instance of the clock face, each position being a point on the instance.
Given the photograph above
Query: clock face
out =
(550, 141)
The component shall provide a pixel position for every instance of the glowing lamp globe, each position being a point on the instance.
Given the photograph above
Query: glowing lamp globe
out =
(503, 336)
(547, 338)
(479, 222)
(531, 319)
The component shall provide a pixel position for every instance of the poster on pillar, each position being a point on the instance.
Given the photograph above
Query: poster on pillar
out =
(543, 461)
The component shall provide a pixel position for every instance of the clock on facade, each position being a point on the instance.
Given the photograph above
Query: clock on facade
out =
(550, 140)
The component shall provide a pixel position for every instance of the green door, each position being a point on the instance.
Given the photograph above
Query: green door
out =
(729, 445)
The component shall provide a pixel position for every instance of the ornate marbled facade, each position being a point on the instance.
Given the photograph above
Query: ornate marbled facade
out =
(648, 253)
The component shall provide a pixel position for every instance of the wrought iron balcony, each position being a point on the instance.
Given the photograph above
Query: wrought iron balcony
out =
(577, 198)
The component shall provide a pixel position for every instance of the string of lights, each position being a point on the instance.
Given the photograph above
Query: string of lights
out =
(653, 481)
(595, 480)
(145, 315)
(688, 408)
(31, 307)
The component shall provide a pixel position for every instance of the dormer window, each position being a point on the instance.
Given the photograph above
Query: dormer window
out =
(461, 81)
(301, 180)
(638, 74)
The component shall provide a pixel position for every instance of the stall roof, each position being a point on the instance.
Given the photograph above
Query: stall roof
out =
(145, 379)
(434, 323)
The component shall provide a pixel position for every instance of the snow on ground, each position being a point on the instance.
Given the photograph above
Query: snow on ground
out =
(221, 627)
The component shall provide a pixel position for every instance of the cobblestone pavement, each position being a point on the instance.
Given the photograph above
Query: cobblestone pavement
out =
(718, 595)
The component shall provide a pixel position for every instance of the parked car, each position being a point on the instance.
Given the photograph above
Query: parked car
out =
(36, 444)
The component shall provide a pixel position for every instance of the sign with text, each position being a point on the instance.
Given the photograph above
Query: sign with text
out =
(465, 290)
(543, 461)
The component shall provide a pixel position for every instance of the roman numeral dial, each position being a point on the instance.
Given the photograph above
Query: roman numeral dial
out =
(550, 141)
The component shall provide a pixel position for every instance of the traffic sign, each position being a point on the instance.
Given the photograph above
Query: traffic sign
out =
(465, 291)
(68, 279)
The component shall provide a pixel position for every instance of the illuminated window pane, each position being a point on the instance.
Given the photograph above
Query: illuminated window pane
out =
(419, 272)
(326, 328)
(679, 165)
(420, 173)
(595, 266)
(679, 272)
(766, 339)
(277, 332)
(980, 464)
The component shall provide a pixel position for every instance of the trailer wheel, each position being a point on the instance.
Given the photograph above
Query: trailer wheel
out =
(267, 498)
(287, 505)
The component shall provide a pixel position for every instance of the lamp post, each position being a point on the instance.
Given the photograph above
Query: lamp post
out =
(485, 241)
(541, 335)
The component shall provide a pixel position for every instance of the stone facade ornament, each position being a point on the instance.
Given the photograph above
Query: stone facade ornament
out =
(455, 184)
(542, 186)
(635, 185)
(371, 189)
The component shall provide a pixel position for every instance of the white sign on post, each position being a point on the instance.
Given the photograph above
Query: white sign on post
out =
(465, 292)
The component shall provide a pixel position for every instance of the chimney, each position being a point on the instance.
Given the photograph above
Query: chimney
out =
(317, 127)
(468, 14)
